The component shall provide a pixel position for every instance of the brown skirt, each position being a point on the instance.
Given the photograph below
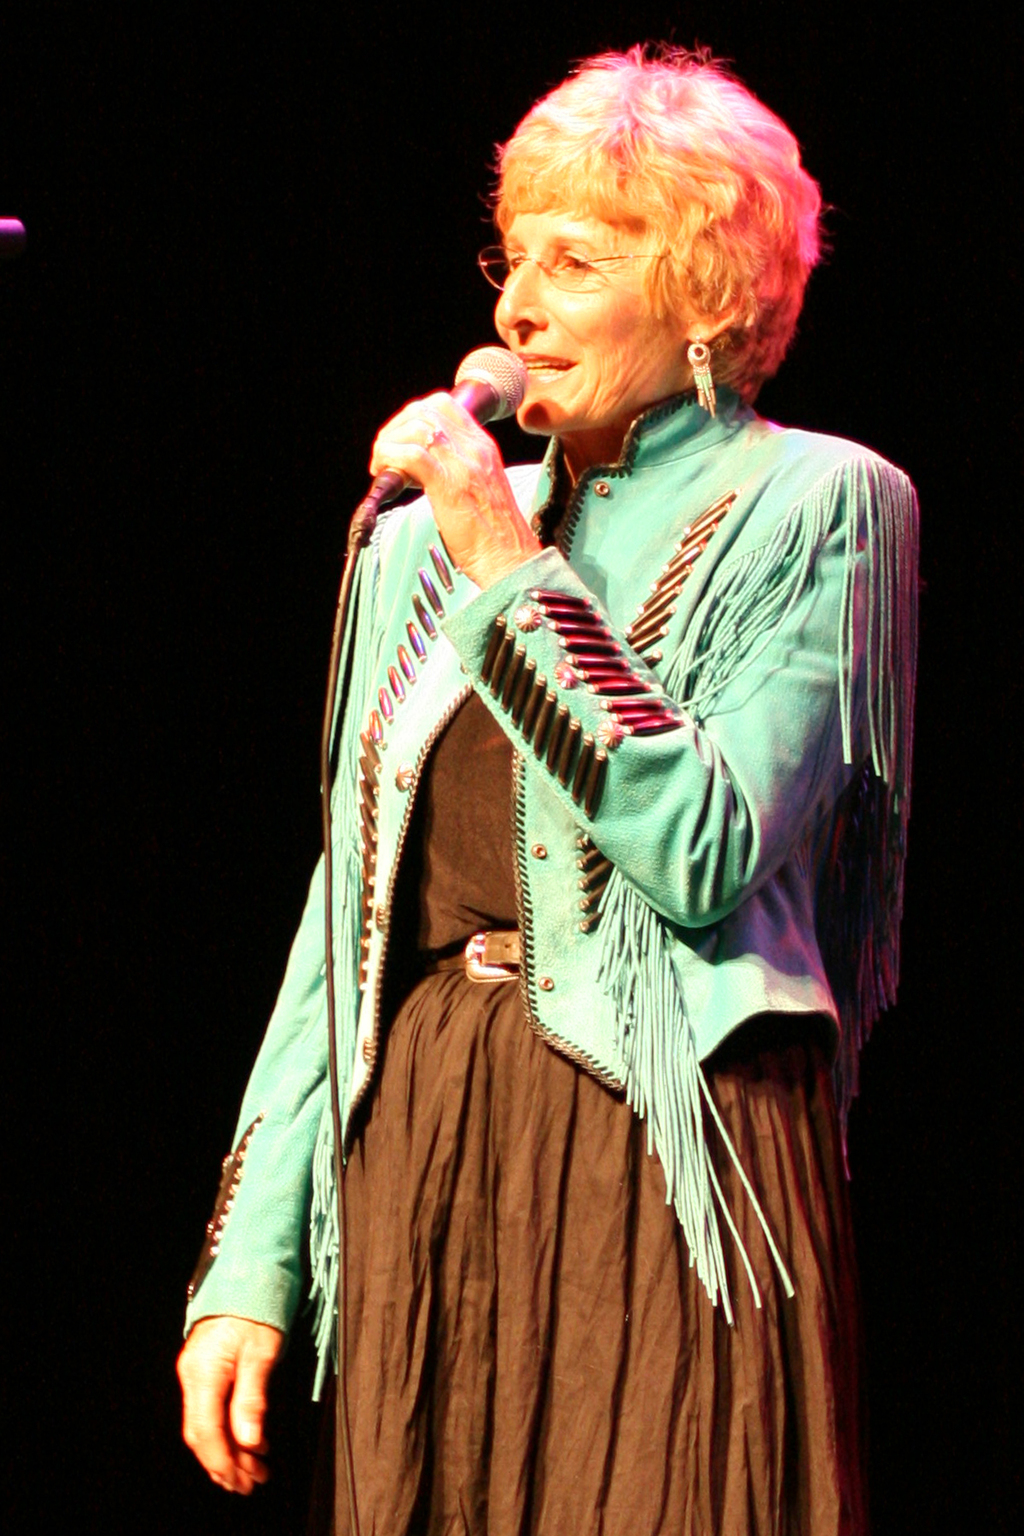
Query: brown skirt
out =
(530, 1351)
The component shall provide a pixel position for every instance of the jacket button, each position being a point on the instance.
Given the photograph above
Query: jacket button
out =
(368, 1049)
(404, 777)
(539, 851)
(602, 488)
(545, 983)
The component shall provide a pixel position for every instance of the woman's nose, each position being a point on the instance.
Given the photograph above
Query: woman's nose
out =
(520, 304)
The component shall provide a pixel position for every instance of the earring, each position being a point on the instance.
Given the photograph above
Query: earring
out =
(698, 355)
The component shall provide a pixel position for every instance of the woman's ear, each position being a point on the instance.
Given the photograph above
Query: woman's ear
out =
(706, 328)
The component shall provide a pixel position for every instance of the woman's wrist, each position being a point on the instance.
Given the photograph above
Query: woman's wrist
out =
(490, 566)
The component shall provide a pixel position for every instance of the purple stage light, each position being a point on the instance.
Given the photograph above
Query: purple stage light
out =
(12, 237)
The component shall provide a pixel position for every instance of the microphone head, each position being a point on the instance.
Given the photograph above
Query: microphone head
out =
(500, 369)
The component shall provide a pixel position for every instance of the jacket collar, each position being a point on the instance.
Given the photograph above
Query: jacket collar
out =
(662, 434)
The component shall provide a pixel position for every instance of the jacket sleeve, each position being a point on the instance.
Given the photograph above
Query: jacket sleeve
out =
(788, 676)
(252, 1261)
(251, 1264)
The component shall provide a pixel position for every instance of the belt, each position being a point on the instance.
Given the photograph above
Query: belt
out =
(490, 956)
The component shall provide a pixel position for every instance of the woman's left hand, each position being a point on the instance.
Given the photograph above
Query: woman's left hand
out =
(439, 446)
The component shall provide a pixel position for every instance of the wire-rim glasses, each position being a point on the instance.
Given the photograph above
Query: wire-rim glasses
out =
(574, 274)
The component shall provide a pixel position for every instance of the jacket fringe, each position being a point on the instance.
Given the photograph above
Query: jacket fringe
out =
(666, 1087)
(860, 891)
(361, 664)
(861, 895)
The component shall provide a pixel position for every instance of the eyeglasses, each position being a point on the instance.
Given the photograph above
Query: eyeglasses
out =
(574, 274)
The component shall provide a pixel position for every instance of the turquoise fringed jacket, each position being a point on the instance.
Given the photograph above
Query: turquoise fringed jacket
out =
(709, 689)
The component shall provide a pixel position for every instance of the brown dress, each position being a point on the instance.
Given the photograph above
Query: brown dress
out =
(530, 1351)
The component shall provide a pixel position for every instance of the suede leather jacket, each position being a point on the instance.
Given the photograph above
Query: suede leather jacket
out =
(709, 689)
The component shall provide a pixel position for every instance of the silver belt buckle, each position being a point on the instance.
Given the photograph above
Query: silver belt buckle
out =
(479, 969)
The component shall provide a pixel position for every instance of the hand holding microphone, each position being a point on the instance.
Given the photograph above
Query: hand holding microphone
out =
(437, 443)
(490, 385)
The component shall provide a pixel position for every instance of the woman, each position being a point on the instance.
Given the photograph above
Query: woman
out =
(599, 1269)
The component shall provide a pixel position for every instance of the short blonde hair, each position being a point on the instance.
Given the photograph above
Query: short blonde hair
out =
(666, 141)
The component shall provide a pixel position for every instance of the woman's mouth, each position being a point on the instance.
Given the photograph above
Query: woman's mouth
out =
(544, 367)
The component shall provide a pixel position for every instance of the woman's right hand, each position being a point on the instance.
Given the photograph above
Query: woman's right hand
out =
(224, 1369)
(440, 447)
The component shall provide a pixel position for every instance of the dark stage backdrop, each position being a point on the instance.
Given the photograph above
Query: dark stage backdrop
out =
(251, 237)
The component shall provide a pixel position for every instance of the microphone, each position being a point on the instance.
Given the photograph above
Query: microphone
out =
(490, 385)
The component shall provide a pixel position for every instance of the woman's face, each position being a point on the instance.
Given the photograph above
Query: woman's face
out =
(595, 357)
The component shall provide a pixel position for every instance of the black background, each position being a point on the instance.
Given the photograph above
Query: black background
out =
(251, 237)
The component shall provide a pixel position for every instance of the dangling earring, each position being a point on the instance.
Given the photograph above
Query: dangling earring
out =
(698, 355)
